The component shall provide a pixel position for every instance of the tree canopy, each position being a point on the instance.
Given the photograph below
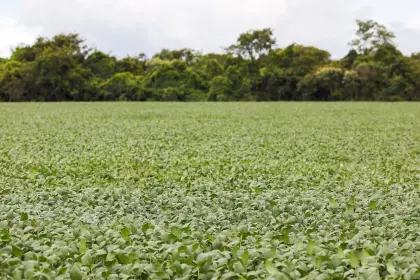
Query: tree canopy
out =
(254, 68)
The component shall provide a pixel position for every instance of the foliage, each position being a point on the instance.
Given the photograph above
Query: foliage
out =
(254, 43)
(209, 191)
(64, 68)
(324, 84)
(371, 35)
(123, 86)
(220, 89)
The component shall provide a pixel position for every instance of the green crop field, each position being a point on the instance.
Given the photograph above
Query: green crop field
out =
(210, 191)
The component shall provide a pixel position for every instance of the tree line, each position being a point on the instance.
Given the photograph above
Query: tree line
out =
(64, 68)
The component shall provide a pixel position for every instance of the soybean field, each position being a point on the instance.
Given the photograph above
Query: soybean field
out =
(210, 191)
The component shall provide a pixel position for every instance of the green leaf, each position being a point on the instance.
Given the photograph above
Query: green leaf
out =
(235, 250)
(372, 204)
(133, 229)
(363, 255)
(124, 259)
(5, 191)
(110, 257)
(100, 253)
(341, 248)
(371, 274)
(87, 260)
(75, 273)
(29, 273)
(145, 227)
(319, 261)
(244, 258)
(270, 268)
(282, 276)
(17, 252)
(28, 256)
(24, 216)
(333, 203)
(285, 234)
(82, 246)
(350, 208)
(335, 261)
(5, 235)
(125, 233)
(4, 224)
(354, 261)
(238, 268)
(229, 275)
(311, 247)
(390, 267)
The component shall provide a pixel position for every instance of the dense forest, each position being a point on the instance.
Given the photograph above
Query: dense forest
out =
(64, 68)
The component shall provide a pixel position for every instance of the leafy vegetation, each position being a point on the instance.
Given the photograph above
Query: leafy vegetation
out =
(253, 68)
(209, 191)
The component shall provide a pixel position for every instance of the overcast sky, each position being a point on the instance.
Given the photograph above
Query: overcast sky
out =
(132, 26)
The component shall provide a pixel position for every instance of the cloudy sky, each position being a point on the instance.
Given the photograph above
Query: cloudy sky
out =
(132, 26)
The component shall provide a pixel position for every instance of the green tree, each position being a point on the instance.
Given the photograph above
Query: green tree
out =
(135, 65)
(285, 68)
(349, 59)
(322, 85)
(65, 68)
(370, 36)
(351, 86)
(101, 65)
(251, 46)
(254, 43)
(123, 86)
(55, 72)
(189, 56)
(373, 78)
(220, 89)
(174, 74)
(12, 87)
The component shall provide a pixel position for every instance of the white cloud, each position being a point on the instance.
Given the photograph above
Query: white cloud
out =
(13, 33)
(133, 26)
(327, 24)
(408, 37)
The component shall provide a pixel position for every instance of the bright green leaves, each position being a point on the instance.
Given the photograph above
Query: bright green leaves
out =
(271, 269)
(390, 267)
(125, 233)
(76, 273)
(351, 205)
(5, 236)
(311, 247)
(123, 258)
(372, 204)
(87, 260)
(333, 203)
(82, 246)
(235, 191)
(238, 267)
(319, 261)
(244, 258)
(371, 273)
(17, 251)
(354, 260)
(24, 216)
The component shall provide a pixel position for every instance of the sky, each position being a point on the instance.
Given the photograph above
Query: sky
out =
(129, 27)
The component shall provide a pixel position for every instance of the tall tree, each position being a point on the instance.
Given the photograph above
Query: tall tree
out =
(370, 36)
(251, 46)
